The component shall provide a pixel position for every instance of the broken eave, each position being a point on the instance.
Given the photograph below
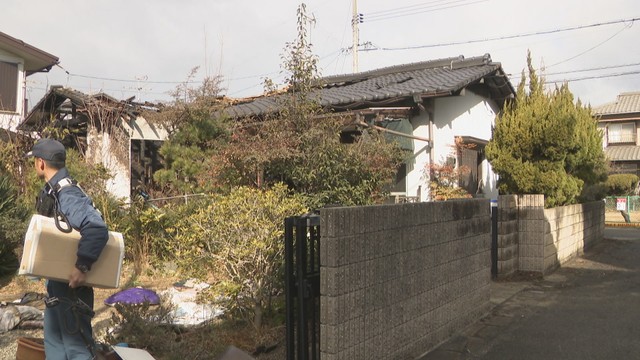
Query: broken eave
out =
(72, 108)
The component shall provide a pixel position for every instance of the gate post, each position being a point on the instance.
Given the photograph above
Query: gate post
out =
(302, 267)
(494, 238)
(289, 224)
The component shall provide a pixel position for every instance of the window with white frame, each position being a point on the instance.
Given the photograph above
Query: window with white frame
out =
(8, 86)
(621, 133)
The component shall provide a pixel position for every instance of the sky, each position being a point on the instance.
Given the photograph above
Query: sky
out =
(146, 48)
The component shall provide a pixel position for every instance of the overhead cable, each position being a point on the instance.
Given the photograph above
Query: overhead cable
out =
(371, 18)
(507, 37)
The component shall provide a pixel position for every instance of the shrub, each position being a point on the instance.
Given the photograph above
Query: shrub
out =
(444, 178)
(13, 223)
(546, 144)
(621, 184)
(593, 192)
(143, 326)
(151, 328)
(239, 238)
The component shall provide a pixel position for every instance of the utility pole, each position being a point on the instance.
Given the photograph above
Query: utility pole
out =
(355, 20)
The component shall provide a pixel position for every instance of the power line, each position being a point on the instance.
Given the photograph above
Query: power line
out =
(160, 82)
(506, 37)
(101, 90)
(631, 21)
(627, 73)
(432, 8)
(140, 81)
(131, 81)
(592, 69)
(591, 48)
(628, 21)
(404, 8)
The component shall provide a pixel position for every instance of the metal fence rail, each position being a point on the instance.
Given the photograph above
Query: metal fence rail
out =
(622, 209)
(302, 267)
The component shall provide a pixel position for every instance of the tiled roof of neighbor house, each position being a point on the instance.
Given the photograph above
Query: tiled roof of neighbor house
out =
(623, 153)
(377, 87)
(625, 103)
(35, 59)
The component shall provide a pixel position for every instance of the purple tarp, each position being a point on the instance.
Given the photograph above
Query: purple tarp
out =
(133, 296)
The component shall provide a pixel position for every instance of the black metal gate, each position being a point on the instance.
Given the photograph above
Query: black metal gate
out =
(494, 238)
(302, 266)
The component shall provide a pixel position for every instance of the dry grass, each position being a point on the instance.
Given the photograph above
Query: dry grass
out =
(616, 217)
(203, 342)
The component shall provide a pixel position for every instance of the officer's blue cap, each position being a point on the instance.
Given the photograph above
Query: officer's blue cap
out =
(48, 149)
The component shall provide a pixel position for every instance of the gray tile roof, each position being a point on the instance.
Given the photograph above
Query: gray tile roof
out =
(625, 103)
(374, 88)
(623, 153)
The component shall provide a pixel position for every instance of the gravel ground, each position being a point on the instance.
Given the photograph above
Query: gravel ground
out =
(14, 288)
(8, 342)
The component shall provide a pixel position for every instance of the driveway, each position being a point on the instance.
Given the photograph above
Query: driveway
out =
(587, 309)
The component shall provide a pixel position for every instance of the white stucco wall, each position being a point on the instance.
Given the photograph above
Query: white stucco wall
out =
(141, 129)
(417, 184)
(10, 121)
(98, 151)
(467, 115)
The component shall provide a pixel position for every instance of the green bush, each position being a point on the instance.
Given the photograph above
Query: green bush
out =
(546, 143)
(238, 239)
(593, 193)
(13, 224)
(621, 184)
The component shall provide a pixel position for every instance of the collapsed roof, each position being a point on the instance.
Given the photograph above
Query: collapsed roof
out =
(66, 107)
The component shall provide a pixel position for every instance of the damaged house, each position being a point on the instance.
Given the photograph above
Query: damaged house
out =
(105, 131)
(430, 107)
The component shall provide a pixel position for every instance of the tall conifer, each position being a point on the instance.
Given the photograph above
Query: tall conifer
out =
(546, 144)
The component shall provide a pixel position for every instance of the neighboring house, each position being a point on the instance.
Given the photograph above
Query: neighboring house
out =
(430, 104)
(106, 131)
(618, 121)
(17, 61)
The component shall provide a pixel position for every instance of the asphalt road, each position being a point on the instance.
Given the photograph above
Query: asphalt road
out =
(587, 309)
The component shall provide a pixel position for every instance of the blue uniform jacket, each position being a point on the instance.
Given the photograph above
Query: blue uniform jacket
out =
(82, 216)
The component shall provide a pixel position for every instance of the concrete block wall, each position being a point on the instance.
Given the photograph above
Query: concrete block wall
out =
(571, 229)
(397, 280)
(531, 238)
(508, 256)
(531, 230)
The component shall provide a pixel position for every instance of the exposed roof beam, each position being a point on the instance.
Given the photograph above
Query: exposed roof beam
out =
(380, 128)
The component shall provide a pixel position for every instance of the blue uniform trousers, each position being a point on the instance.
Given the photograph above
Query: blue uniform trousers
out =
(66, 333)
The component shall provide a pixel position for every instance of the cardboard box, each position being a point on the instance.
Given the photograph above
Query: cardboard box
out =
(51, 254)
(127, 353)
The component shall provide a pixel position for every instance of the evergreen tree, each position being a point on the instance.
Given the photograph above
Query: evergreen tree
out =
(546, 144)
(193, 135)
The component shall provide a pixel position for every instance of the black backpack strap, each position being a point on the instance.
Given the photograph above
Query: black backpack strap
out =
(58, 215)
(55, 189)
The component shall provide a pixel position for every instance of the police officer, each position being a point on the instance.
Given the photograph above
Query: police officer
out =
(67, 328)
